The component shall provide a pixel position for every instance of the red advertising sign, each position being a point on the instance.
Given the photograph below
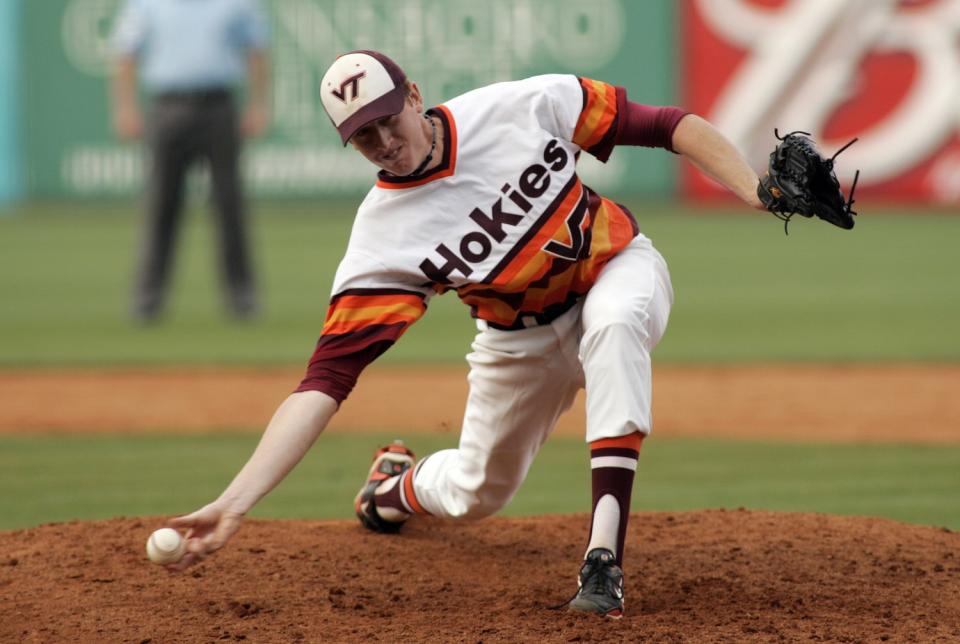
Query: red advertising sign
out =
(886, 71)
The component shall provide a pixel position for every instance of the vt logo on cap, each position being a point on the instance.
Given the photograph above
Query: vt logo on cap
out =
(353, 83)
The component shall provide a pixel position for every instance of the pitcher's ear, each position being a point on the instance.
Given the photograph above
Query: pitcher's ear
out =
(413, 94)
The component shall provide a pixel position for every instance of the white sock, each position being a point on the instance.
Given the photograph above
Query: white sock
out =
(606, 524)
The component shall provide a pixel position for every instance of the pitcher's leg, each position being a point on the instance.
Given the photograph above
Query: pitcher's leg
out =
(624, 317)
(520, 383)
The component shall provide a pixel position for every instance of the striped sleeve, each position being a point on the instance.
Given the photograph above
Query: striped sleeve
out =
(599, 121)
(361, 324)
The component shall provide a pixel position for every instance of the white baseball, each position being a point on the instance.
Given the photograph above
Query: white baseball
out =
(165, 546)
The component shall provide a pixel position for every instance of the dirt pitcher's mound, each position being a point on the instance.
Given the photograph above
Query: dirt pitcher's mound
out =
(701, 576)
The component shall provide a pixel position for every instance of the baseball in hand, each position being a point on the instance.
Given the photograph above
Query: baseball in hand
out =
(166, 546)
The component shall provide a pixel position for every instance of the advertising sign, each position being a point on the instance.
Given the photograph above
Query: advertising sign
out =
(886, 71)
(446, 46)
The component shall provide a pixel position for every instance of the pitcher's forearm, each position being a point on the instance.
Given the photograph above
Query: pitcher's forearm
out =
(291, 432)
(709, 150)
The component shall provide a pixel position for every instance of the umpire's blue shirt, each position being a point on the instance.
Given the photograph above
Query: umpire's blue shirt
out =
(188, 45)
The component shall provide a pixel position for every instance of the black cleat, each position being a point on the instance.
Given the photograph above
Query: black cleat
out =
(601, 585)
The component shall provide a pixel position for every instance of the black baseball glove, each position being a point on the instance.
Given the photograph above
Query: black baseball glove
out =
(799, 181)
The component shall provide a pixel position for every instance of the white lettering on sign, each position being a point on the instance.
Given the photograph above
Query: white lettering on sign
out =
(447, 46)
(270, 169)
(103, 169)
(802, 62)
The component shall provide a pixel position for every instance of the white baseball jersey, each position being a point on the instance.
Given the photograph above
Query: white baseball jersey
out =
(503, 220)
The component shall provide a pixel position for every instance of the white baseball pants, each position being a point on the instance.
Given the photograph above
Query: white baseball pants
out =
(522, 381)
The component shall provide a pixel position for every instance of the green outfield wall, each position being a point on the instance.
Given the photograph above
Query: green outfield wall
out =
(447, 46)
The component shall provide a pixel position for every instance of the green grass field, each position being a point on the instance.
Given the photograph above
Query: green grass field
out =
(887, 291)
(59, 478)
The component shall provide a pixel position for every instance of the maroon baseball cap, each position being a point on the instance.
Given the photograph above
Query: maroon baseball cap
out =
(360, 87)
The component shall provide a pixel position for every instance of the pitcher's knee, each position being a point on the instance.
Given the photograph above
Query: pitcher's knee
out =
(478, 504)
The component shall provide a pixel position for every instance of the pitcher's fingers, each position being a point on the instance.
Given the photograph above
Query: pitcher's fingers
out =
(213, 541)
(184, 521)
(188, 560)
(180, 525)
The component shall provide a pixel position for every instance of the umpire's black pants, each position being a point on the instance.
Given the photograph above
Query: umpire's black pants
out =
(183, 128)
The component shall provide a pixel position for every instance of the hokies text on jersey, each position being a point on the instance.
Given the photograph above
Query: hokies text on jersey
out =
(476, 245)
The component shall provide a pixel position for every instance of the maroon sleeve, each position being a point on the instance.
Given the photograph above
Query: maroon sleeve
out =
(361, 324)
(336, 376)
(648, 125)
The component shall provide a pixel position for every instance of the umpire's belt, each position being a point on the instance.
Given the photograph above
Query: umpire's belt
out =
(527, 320)
(212, 95)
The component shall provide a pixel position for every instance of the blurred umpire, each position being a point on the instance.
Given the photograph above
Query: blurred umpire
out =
(191, 56)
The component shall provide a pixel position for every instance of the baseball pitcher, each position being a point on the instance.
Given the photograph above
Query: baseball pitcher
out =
(480, 196)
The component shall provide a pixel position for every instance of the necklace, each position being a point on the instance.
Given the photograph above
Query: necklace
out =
(433, 146)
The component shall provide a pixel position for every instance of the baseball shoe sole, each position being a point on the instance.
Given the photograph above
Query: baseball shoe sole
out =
(389, 461)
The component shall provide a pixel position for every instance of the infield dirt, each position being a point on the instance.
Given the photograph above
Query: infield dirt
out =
(866, 403)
